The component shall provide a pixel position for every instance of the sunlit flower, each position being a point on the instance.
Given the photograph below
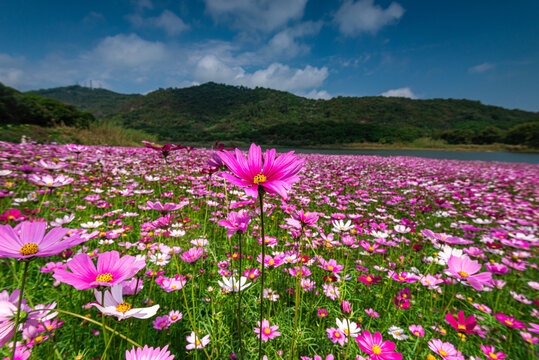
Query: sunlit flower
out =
(266, 331)
(147, 353)
(111, 303)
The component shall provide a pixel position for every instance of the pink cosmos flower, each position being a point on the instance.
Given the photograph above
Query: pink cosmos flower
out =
(161, 322)
(274, 175)
(417, 330)
(300, 219)
(330, 265)
(50, 181)
(21, 353)
(111, 303)
(52, 267)
(147, 353)
(237, 221)
(318, 357)
(266, 331)
(444, 349)
(192, 255)
(163, 207)
(337, 336)
(462, 267)
(529, 337)
(372, 313)
(482, 307)
(28, 240)
(376, 347)
(491, 353)
(165, 149)
(111, 270)
(509, 321)
(195, 342)
(171, 284)
(463, 324)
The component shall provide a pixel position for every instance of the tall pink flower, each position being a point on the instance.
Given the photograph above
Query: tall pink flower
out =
(376, 347)
(237, 221)
(462, 323)
(147, 353)
(462, 267)
(28, 240)
(274, 175)
(266, 331)
(111, 270)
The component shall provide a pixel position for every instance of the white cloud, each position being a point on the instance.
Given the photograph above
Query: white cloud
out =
(354, 18)
(129, 51)
(285, 42)
(264, 15)
(315, 94)
(402, 92)
(275, 76)
(481, 68)
(167, 21)
(143, 4)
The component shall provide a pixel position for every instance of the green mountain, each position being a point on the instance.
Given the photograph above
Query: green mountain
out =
(26, 108)
(222, 112)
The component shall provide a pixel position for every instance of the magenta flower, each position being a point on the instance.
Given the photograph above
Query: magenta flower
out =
(237, 221)
(147, 353)
(463, 324)
(195, 342)
(509, 321)
(491, 353)
(50, 181)
(300, 219)
(164, 207)
(165, 149)
(274, 175)
(171, 284)
(266, 331)
(417, 330)
(111, 270)
(28, 240)
(376, 347)
(330, 265)
(336, 336)
(464, 268)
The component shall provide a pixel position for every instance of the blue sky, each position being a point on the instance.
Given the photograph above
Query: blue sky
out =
(482, 50)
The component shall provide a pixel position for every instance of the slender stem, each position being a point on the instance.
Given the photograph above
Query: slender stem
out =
(297, 297)
(92, 321)
(18, 316)
(103, 325)
(239, 298)
(261, 195)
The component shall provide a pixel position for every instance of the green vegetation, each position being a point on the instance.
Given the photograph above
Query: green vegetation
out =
(26, 108)
(221, 112)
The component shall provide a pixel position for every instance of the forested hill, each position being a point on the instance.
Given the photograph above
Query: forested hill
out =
(214, 111)
(25, 108)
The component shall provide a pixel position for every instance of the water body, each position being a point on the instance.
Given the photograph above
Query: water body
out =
(501, 156)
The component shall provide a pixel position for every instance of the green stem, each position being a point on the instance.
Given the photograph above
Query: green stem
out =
(18, 316)
(103, 325)
(261, 195)
(239, 299)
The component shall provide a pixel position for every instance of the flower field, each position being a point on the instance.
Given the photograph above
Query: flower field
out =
(182, 253)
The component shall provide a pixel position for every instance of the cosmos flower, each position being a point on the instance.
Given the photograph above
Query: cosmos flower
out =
(171, 284)
(50, 181)
(337, 336)
(341, 226)
(192, 255)
(509, 321)
(376, 347)
(28, 240)
(147, 353)
(464, 268)
(444, 349)
(237, 221)
(397, 333)
(417, 330)
(490, 352)
(273, 175)
(349, 328)
(114, 305)
(232, 285)
(266, 331)
(300, 219)
(111, 270)
(463, 324)
(195, 342)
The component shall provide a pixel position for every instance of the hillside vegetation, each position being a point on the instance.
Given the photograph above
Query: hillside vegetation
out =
(214, 111)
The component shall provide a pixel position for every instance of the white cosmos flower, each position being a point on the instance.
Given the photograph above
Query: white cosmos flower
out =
(402, 229)
(341, 226)
(232, 285)
(397, 333)
(63, 220)
(114, 305)
(348, 327)
(91, 225)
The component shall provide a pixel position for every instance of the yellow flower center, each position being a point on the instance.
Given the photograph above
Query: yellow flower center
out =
(267, 331)
(463, 274)
(417, 333)
(376, 350)
(461, 327)
(336, 334)
(371, 248)
(38, 339)
(259, 179)
(29, 249)
(197, 343)
(346, 332)
(49, 328)
(492, 356)
(11, 217)
(104, 277)
(441, 352)
(123, 307)
(330, 268)
(271, 262)
(49, 184)
(508, 322)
